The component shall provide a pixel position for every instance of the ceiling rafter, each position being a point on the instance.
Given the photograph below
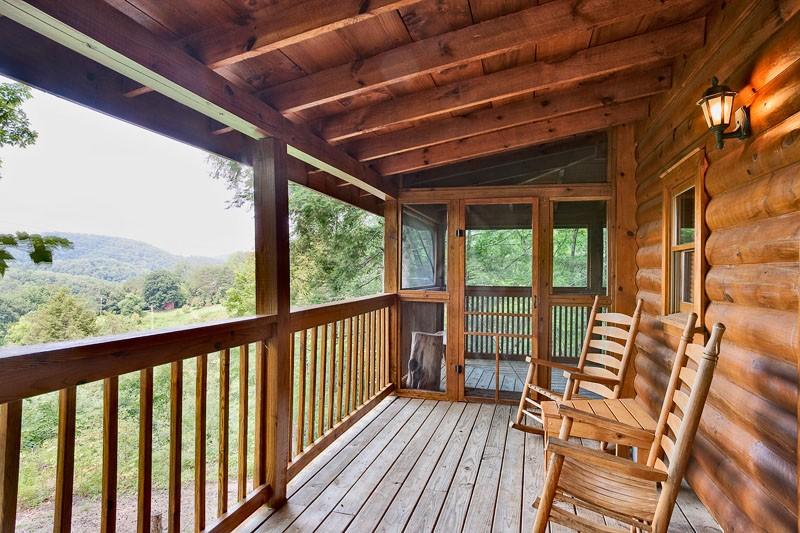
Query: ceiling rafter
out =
(640, 50)
(513, 138)
(595, 95)
(478, 41)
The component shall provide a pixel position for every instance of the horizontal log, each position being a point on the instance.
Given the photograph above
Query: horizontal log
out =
(593, 96)
(649, 211)
(512, 138)
(772, 195)
(27, 371)
(651, 302)
(772, 286)
(758, 329)
(726, 513)
(771, 472)
(671, 133)
(769, 151)
(561, 19)
(317, 315)
(649, 256)
(649, 188)
(649, 233)
(763, 374)
(583, 65)
(770, 240)
(649, 279)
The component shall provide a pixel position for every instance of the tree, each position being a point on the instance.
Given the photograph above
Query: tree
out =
(336, 250)
(39, 248)
(62, 317)
(208, 284)
(131, 304)
(15, 130)
(240, 298)
(163, 289)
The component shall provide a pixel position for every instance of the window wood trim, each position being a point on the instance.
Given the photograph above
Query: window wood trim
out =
(687, 173)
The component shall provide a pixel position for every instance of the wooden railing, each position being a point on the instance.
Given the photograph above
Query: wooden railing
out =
(340, 369)
(64, 367)
(568, 324)
(497, 310)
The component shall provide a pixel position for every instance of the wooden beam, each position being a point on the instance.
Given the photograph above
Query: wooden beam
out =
(100, 32)
(332, 186)
(271, 186)
(596, 95)
(594, 62)
(472, 43)
(273, 27)
(511, 138)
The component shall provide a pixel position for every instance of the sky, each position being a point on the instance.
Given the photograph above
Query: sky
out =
(90, 173)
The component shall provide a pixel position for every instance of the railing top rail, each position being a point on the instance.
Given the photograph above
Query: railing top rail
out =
(481, 290)
(316, 315)
(27, 371)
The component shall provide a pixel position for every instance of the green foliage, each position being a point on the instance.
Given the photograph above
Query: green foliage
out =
(499, 257)
(336, 250)
(62, 317)
(131, 304)
(39, 248)
(15, 128)
(240, 298)
(570, 257)
(111, 324)
(208, 284)
(163, 289)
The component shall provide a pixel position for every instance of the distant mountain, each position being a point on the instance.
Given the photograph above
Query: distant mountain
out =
(107, 258)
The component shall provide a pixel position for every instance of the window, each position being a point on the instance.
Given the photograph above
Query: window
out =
(683, 240)
(424, 246)
(580, 247)
(682, 252)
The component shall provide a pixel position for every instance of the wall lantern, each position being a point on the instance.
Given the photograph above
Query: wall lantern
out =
(717, 105)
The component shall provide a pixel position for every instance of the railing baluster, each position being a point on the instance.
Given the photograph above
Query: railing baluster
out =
(362, 362)
(175, 442)
(323, 369)
(10, 440)
(368, 357)
(332, 375)
(260, 458)
(312, 388)
(301, 391)
(350, 389)
(108, 507)
(145, 449)
(292, 411)
(241, 462)
(65, 457)
(200, 443)
(340, 372)
(224, 431)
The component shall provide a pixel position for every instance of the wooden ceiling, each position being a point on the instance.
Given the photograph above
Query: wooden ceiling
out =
(403, 85)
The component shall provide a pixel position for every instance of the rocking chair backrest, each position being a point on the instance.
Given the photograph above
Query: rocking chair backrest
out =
(684, 400)
(611, 337)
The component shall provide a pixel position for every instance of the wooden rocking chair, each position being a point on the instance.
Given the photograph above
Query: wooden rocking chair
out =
(618, 488)
(601, 371)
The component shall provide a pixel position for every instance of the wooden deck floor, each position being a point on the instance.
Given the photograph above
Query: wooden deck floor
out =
(414, 465)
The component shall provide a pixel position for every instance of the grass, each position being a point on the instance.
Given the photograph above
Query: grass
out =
(40, 424)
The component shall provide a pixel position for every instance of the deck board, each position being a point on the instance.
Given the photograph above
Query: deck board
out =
(414, 465)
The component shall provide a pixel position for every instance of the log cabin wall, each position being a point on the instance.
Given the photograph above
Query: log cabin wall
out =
(744, 467)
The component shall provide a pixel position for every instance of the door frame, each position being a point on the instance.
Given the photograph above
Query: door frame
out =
(452, 298)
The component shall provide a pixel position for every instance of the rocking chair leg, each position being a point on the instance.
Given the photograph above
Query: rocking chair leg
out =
(548, 494)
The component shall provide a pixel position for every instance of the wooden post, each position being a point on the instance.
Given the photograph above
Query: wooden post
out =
(10, 428)
(391, 269)
(622, 237)
(271, 187)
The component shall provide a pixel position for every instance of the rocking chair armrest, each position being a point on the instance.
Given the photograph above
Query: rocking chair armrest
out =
(579, 375)
(604, 461)
(615, 426)
(553, 364)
